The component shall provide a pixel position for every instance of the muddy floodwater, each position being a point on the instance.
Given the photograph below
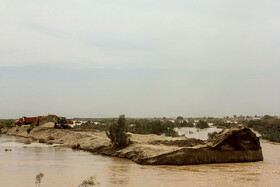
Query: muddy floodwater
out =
(65, 167)
(192, 132)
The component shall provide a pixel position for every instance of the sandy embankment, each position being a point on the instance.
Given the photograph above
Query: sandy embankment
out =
(236, 145)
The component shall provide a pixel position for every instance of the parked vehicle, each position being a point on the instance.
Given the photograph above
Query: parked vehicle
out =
(25, 120)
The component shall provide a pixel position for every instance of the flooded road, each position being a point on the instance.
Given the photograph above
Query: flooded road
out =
(65, 167)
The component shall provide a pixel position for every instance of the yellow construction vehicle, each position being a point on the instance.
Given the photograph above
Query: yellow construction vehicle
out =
(59, 122)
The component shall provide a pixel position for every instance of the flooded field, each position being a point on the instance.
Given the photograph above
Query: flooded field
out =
(192, 132)
(65, 167)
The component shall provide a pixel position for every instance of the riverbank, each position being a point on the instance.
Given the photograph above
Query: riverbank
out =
(153, 149)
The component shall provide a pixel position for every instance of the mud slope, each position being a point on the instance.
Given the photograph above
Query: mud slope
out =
(238, 144)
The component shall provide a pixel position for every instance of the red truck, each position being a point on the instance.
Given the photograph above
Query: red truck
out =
(25, 120)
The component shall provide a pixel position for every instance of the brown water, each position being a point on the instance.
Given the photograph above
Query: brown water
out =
(64, 167)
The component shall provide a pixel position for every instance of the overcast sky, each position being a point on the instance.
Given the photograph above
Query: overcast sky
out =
(143, 58)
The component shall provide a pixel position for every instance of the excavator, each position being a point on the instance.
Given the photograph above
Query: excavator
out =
(60, 122)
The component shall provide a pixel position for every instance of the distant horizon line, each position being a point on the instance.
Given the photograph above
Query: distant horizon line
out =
(156, 117)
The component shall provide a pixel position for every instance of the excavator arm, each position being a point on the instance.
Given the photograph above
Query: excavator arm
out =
(42, 118)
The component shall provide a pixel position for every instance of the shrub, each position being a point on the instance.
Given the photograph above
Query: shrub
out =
(41, 140)
(7, 123)
(76, 146)
(168, 129)
(180, 118)
(187, 124)
(154, 127)
(268, 117)
(268, 128)
(1, 126)
(91, 125)
(202, 124)
(38, 179)
(171, 132)
(117, 133)
(212, 134)
(222, 125)
(256, 124)
(89, 182)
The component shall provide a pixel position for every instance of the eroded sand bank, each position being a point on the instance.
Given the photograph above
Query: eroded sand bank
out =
(238, 144)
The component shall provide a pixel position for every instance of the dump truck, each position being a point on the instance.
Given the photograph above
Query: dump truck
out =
(25, 120)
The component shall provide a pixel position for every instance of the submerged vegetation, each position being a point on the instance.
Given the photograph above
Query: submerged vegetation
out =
(269, 128)
(184, 124)
(91, 181)
(38, 179)
(212, 134)
(153, 127)
(221, 124)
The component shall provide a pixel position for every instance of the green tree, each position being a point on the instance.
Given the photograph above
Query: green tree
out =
(268, 117)
(168, 128)
(187, 124)
(202, 124)
(180, 118)
(117, 133)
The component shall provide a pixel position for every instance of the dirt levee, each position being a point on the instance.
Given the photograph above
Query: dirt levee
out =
(238, 144)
